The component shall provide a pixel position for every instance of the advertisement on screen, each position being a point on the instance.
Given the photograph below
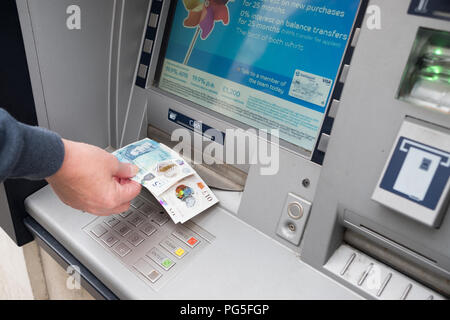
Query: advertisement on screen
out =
(270, 64)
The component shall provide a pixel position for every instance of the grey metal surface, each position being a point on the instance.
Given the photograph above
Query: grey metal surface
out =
(376, 279)
(432, 280)
(129, 21)
(82, 79)
(264, 196)
(241, 263)
(365, 129)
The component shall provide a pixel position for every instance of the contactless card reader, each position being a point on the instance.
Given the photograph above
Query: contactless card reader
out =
(415, 180)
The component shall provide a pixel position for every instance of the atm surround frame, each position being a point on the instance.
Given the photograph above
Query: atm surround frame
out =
(209, 116)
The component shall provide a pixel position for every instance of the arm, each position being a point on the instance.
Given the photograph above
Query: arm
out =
(26, 151)
(83, 176)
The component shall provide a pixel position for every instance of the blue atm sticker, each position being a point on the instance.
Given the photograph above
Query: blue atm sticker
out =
(417, 172)
(197, 126)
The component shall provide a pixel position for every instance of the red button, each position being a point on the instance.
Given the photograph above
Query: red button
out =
(192, 241)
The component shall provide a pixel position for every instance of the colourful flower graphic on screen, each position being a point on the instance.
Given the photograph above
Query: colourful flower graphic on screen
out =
(203, 14)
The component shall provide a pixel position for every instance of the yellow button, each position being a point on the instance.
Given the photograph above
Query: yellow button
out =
(179, 252)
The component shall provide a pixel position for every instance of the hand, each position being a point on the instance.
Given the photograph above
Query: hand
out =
(93, 180)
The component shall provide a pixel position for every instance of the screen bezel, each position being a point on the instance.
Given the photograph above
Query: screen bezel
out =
(228, 121)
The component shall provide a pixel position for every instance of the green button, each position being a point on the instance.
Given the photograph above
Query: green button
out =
(167, 263)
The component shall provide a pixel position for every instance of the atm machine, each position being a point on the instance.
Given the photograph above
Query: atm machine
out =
(359, 92)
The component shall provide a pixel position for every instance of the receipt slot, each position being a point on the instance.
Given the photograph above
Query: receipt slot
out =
(415, 180)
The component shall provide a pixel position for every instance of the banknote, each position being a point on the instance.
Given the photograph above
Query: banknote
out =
(159, 166)
(187, 198)
(173, 182)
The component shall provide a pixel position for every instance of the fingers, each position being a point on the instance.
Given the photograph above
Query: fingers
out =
(125, 170)
(127, 190)
(120, 209)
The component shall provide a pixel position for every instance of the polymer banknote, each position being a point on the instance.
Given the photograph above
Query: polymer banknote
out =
(170, 179)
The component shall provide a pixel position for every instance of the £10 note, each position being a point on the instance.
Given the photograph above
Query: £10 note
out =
(173, 182)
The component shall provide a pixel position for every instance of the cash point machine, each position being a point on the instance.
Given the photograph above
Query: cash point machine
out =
(358, 91)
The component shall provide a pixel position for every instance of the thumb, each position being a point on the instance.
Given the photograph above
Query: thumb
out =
(126, 170)
(128, 191)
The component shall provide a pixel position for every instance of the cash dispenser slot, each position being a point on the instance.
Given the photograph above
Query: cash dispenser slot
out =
(409, 262)
(218, 176)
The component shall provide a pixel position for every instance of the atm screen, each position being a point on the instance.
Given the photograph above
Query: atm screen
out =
(270, 64)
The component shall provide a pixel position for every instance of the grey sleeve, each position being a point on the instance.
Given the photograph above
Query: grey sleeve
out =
(26, 151)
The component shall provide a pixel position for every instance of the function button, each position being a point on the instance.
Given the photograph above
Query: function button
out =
(147, 210)
(126, 213)
(147, 270)
(186, 236)
(180, 252)
(135, 219)
(109, 239)
(135, 239)
(137, 203)
(153, 21)
(148, 45)
(148, 228)
(160, 218)
(173, 248)
(99, 230)
(122, 249)
(160, 258)
(142, 71)
(111, 221)
(123, 229)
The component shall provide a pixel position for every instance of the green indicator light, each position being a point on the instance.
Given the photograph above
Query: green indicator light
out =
(438, 51)
(434, 69)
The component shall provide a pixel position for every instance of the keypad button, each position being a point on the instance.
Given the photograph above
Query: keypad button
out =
(123, 229)
(159, 218)
(148, 228)
(122, 249)
(147, 270)
(160, 258)
(171, 246)
(137, 203)
(147, 210)
(111, 221)
(187, 236)
(126, 213)
(109, 239)
(99, 230)
(135, 239)
(135, 219)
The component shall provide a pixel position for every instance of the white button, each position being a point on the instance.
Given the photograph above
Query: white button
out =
(142, 71)
(148, 45)
(153, 21)
(295, 210)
